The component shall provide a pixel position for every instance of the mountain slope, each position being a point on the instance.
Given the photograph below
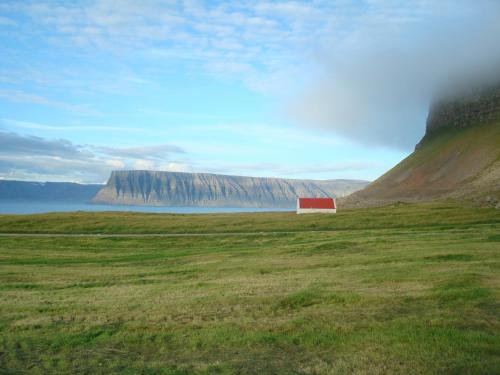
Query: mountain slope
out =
(47, 191)
(458, 157)
(204, 189)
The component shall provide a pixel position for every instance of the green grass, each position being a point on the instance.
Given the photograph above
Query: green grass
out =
(445, 214)
(407, 289)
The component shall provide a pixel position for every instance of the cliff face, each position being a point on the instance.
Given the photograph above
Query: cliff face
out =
(478, 108)
(473, 109)
(203, 189)
(47, 191)
(459, 157)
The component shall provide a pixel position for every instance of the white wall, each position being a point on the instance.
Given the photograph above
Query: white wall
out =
(316, 211)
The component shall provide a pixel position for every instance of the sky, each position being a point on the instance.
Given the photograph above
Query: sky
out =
(295, 89)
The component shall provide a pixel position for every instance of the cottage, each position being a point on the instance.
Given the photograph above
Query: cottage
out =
(316, 205)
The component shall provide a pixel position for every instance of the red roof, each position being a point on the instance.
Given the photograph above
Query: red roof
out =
(325, 203)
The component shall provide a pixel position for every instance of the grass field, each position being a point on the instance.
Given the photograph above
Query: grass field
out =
(407, 289)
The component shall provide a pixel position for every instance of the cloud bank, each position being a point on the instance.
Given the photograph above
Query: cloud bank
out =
(375, 85)
(31, 157)
(27, 157)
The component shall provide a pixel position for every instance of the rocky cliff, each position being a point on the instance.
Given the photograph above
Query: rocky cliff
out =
(459, 156)
(204, 189)
(478, 107)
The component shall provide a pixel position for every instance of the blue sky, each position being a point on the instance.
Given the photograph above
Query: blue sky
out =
(312, 89)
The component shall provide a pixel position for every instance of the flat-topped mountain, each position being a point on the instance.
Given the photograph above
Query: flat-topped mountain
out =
(47, 191)
(459, 157)
(205, 189)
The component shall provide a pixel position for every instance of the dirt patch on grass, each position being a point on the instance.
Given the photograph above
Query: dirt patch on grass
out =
(450, 258)
(335, 247)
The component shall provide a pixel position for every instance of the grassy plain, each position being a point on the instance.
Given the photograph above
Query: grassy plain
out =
(407, 289)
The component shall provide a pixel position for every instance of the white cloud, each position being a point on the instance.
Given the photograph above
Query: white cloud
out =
(144, 164)
(115, 163)
(62, 160)
(293, 10)
(16, 124)
(375, 85)
(278, 170)
(176, 167)
(237, 39)
(152, 152)
(5, 21)
(18, 96)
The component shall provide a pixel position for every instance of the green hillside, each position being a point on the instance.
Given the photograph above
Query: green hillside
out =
(450, 162)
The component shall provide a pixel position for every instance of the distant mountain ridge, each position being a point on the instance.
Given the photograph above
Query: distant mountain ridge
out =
(212, 190)
(13, 190)
(459, 157)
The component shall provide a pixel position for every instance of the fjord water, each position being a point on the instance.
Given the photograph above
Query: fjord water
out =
(37, 207)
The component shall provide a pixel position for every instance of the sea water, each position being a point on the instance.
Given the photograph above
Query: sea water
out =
(36, 207)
